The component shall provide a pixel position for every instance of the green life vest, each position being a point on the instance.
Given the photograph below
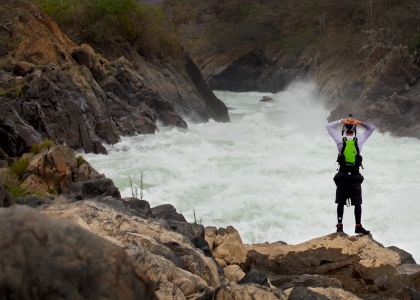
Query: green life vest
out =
(349, 158)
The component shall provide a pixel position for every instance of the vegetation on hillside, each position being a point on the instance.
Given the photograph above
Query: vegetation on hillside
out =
(137, 22)
(294, 27)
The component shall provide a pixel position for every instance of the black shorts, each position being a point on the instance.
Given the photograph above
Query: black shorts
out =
(349, 185)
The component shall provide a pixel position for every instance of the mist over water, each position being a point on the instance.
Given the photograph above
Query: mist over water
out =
(269, 172)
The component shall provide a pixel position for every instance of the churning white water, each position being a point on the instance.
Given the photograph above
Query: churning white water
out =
(269, 172)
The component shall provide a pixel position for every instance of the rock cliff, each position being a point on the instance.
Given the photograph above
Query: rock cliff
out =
(87, 95)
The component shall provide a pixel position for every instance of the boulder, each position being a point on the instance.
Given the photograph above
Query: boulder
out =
(234, 273)
(92, 188)
(228, 247)
(44, 257)
(53, 166)
(266, 99)
(233, 291)
(167, 212)
(301, 292)
(173, 264)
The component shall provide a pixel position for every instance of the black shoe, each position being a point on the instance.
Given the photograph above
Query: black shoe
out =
(360, 230)
(339, 227)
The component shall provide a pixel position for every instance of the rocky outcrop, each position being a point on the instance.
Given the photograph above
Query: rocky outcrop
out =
(181, 260)
(244, 69)
(395, 114)
(51, 88)
(43, 257)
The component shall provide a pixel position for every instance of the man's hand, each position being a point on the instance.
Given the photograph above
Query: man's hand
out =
(351, 121)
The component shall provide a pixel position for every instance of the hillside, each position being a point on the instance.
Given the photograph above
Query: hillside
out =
(354, 50)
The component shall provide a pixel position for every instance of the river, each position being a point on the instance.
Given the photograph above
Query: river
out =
(269, 172)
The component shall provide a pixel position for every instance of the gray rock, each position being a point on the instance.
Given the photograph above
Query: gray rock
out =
(299, 293)
(92, 188)
(46, 258)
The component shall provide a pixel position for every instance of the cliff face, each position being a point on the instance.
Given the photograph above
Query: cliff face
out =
(83, 96)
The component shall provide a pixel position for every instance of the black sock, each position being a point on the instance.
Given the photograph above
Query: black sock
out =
(340, 213)
(358, 213)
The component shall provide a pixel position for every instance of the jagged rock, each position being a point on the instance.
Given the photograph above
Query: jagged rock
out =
(301, 292)
(21, 68)
(86, 172)
(228, 247)
(53, 166)
(335, 293)
(44, 257)
(266, 99)
(84, 55)
(92, 188)
(288, 281)
(5, 198)
(210, 233)
(234, 273)
(234, 291)
(141, 206)
(16, 134)
(167, 212)
(257, 277)
(168, 258)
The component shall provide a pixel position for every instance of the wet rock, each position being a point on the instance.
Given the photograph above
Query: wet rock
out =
(43, 254)
(266, 99)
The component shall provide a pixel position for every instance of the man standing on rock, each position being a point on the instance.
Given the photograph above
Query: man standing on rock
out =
(348, 179)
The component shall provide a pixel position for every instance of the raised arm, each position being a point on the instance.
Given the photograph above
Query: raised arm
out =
(338, 139)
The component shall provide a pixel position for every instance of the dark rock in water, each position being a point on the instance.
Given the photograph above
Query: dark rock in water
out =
(48, 258)
(299, 293)
(168, 212)
(256, 276)
(92, 188)
(406, 258)
(266, 99)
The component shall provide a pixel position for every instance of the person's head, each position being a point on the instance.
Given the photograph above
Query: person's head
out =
(349, 129)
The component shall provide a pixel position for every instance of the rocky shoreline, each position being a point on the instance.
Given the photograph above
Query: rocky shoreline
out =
(80, 239)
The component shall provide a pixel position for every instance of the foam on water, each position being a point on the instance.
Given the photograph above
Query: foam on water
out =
(269, 172)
